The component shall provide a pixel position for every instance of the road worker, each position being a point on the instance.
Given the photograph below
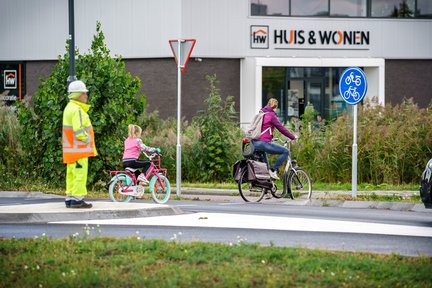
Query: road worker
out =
(78, 144)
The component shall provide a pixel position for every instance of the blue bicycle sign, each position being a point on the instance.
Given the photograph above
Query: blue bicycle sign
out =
(353, 85)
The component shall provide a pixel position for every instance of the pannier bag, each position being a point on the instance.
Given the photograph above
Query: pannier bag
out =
(257, 171)
(237, 168)
(426, 185)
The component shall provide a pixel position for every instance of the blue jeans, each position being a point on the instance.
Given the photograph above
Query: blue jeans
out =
(272, 148)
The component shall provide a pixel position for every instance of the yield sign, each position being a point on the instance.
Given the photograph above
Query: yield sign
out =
(185, 46)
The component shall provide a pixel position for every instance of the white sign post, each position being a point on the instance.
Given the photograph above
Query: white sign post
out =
(181, 49)
(352, 88)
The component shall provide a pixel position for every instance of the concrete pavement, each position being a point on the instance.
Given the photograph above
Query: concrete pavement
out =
(55, 210)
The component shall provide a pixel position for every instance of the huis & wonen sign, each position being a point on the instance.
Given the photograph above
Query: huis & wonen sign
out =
(262, 37)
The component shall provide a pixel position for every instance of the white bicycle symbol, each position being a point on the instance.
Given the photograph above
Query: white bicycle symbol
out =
(352, 91)
(350, 78)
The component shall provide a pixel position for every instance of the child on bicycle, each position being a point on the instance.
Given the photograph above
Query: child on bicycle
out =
(133, 146)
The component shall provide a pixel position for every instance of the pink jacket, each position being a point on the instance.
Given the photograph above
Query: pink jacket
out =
(271, 122)
(133, 148)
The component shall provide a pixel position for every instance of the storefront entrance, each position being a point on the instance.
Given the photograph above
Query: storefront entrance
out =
(299, 82)
(297, 87)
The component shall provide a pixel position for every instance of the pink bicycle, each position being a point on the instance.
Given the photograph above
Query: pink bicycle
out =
(124, 185)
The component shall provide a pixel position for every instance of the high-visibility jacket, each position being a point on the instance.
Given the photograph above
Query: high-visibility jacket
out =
(78, 135)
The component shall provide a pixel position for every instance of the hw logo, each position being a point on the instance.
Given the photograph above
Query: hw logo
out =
(259, 37)
(10, 79)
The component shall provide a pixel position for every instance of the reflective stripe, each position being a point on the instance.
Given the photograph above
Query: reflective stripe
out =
(79, 131)
(73, 148)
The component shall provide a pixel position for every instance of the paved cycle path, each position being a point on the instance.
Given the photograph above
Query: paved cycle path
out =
(54, 209)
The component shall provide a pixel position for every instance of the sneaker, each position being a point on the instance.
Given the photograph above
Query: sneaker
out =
(80, 204)
(143, 179)
(274, 175)
(68, 203)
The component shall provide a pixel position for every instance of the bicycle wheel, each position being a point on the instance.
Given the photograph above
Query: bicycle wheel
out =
(160, 195)
(116, 184)
(248, 191)
(299, 184)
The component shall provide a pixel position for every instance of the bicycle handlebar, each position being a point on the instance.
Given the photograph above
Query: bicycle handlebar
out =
(286, 142)
(152, 155)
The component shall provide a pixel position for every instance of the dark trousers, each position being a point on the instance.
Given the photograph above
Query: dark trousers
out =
(142, 165)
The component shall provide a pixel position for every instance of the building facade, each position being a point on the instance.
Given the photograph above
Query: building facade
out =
(291, 50)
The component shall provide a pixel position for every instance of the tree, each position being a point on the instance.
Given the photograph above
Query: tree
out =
(217, 142)
(113, 97)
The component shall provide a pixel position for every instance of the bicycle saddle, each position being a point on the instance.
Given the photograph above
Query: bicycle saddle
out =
(131, 169)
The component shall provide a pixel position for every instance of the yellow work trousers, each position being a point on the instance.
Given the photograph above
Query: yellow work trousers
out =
(76, 178)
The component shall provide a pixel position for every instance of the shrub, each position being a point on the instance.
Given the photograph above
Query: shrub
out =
(219, 135)
(113, 97)
(209, 145)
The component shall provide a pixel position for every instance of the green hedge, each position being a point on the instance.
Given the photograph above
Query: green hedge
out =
(114, 100)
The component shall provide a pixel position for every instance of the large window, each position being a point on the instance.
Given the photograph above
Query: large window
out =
(424, 8)
(393, 8)
(270, 7)
(297, 87)
(348, 8)
(309, 8)
(343, 8)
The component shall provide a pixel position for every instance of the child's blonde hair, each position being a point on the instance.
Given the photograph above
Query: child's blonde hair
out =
(134, 131)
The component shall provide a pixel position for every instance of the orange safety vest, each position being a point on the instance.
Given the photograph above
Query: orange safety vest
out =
(78, 135)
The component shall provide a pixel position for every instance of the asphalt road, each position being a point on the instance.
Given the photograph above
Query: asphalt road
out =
(267, 223)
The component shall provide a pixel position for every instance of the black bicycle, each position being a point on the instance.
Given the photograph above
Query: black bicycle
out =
(296, 181)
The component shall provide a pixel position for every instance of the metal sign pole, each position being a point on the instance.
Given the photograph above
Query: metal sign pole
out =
(182, 45)
(354, 154)
(352, 88)
(72, 76)
(178, 163)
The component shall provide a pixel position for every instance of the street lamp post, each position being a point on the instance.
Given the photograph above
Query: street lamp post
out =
(71, 43)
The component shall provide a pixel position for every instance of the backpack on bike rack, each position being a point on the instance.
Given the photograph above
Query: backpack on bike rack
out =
(426, 185)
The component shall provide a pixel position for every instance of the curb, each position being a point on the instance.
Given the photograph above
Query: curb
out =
(28, 195)
(56, 211)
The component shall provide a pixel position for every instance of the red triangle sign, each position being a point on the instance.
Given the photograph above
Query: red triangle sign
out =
(182, 49)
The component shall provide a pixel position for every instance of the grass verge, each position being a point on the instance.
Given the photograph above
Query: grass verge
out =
(107, 262)
(374, 195)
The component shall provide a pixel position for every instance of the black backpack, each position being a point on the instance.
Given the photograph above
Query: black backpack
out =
(426, 185)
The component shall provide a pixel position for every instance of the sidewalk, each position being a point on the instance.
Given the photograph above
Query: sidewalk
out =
(55, 210)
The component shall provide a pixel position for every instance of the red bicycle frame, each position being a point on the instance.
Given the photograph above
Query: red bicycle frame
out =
(155, 169)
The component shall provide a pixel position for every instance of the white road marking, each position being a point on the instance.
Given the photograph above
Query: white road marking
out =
(221, 220)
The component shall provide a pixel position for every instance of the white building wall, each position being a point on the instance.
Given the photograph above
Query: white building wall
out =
(38, 29)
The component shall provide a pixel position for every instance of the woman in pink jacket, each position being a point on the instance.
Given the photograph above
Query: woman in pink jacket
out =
(265, 144)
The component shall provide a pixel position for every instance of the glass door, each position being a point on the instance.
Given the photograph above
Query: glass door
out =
(314, 95)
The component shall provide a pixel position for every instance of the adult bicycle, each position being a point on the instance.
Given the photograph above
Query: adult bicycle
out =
(296, 182)
(125, 186)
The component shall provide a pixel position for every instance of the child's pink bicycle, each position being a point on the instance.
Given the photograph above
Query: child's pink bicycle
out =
(124, 185)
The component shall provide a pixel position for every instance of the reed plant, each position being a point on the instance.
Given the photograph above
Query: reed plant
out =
(394, 145)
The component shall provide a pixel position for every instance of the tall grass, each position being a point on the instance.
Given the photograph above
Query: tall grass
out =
(394, 145)
(10, 144)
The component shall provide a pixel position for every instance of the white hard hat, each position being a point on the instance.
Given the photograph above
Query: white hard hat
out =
(77, 86)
